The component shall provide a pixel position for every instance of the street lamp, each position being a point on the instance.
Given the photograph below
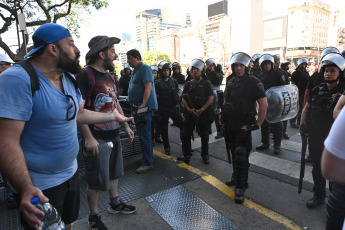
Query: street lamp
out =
(223, 49)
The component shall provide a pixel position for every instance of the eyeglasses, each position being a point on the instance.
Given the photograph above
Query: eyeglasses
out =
(72, 105)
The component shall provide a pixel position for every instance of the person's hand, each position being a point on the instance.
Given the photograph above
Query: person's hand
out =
(91, 144)
(199, 111)
(29, 211)
(121, 118)
(250, 127)
(193, 112)
(130, 134)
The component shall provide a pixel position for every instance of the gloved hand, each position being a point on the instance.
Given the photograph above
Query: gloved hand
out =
(252, 127)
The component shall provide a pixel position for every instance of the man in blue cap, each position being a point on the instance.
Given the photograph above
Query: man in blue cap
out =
(38, 129)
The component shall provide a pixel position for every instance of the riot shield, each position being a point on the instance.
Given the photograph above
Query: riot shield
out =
(282, 103)
(215, 100)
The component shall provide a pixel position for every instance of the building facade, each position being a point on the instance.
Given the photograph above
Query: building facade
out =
(308, 23)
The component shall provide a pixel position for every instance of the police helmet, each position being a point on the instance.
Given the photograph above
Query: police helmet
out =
(241, 58)
(127, 66)
(266, 58)
(255, 57)
(329, 50)
(154, 68)
(198, 63)
(276, 58)
(301, 61)
(333, 59)
(163, 64)
(175, 64)
(210, 62)
(284, 64)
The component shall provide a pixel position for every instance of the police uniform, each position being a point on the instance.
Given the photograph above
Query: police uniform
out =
(301, 79)
(317, 122)
(270, 79)
(255, 71)
(321, 120)
(168, 107)
(239, 110)
(198, 93)
(180, 78)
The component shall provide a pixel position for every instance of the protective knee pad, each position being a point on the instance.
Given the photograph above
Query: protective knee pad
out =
(241, 155)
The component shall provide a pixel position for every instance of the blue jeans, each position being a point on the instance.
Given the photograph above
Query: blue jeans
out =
(144, 132)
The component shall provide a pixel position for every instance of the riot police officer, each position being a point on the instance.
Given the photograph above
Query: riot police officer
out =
(285, 66)
(215, 80)
(241, 94)
(317, 77)
(287, 81)
(317, 119)
(168, 103)
(197, 97)
(177, 75)
(255, 70)
(155, 130)
(300, 78)
(269, 78)
(124, 80)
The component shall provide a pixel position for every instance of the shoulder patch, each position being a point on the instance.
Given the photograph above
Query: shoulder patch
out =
(261, 86)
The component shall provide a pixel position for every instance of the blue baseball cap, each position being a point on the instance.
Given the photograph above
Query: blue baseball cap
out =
(47, 34)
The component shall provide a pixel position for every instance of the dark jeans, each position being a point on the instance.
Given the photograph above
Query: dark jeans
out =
(144, 132)
(336, 207)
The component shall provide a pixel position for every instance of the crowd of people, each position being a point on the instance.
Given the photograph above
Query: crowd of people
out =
(48, 97)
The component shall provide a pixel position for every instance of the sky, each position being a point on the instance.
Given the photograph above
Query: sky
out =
(119, 17)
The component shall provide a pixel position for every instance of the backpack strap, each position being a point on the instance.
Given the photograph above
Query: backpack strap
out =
(35, 83)
(91, 77)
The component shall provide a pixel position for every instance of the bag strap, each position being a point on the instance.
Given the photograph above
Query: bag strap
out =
(91, 77)
(35, 83)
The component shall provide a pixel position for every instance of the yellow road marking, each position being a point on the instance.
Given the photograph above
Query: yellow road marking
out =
(230, 193)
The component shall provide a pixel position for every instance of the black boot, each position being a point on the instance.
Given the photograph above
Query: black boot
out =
(231, 182)
(205, 159)
(262, 146)
(314, 202)
(239, 195)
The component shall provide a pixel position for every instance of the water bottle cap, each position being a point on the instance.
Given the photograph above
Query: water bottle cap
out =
(110, 144)
(35, 200)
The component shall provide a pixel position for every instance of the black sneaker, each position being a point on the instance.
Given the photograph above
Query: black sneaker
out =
(121, 208)
(96, 223)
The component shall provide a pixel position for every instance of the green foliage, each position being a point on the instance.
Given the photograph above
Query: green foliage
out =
(154, 57)
(38, 12)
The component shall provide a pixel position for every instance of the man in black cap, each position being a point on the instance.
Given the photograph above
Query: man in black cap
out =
(39, 127)
(102, 171)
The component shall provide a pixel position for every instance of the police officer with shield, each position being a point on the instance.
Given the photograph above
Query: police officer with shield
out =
(168, 103)
(255, 70)
(317, 119)
(241, 94)
(197, 97)
(269, 78)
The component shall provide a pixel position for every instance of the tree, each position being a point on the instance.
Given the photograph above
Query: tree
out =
(154, 57)
(39, 12)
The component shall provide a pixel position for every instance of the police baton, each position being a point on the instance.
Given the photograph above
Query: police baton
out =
(302, 169)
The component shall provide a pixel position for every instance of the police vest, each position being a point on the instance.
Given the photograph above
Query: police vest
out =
(197, 93)
(167, 92)
(323, 104)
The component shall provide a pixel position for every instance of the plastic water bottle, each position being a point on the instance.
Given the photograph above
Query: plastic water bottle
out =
(102, 147)
(51, 219)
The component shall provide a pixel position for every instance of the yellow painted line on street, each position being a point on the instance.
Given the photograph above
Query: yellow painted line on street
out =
(230, 193)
